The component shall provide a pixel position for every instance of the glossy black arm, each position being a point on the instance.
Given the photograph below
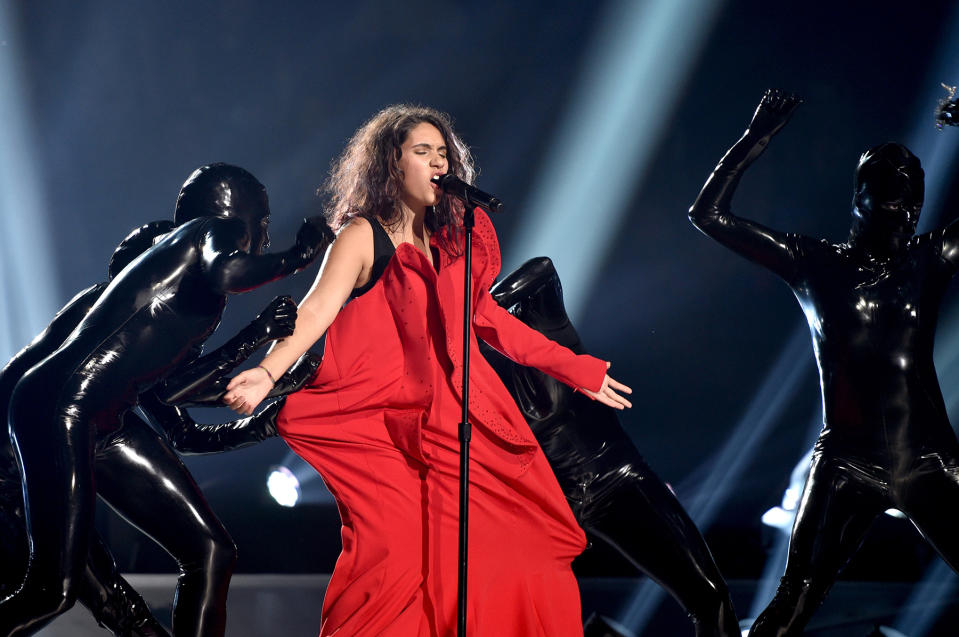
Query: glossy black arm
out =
(232, 269)
(276, 321)
(711, 212)
(189, 437)
(211, 394)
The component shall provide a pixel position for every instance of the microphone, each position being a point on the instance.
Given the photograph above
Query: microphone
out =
(469, 194)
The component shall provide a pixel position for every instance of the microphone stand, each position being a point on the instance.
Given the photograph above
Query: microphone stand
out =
(465, 429)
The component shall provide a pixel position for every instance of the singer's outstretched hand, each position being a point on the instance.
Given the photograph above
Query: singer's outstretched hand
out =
(608, 393)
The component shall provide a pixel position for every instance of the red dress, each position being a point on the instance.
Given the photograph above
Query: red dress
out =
(379, 423)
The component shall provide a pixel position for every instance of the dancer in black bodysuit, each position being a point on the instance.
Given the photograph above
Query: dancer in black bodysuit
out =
(112, 601)
(615, 496)
(69, 415)
(871, 304)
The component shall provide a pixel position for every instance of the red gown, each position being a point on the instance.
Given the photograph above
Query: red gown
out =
(379, 423)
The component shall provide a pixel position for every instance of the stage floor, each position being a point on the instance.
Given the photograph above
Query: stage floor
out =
(266, 605)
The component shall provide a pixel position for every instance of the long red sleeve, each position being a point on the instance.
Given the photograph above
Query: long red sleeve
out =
(513, 338)
(521, 343)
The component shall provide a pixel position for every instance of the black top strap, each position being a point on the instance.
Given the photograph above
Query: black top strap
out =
(383, 250)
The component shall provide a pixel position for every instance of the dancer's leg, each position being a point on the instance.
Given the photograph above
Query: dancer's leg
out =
(834, 515)
(110, 598)
(141, 478)
(639, 516)
(54, 448)
(930, 498)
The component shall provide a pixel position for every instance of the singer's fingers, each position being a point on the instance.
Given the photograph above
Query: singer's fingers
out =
(609, 402)
(620, 400)
(602, 397)
(615, 384)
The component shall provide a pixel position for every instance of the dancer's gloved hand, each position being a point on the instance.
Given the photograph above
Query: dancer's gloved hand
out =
(311, 240)
(608, 393)
(774, 110)
(203, 376)
(711, 210)
(276, 321)
(188, 437)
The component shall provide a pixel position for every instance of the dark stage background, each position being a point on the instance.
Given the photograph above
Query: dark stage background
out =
(596, 122)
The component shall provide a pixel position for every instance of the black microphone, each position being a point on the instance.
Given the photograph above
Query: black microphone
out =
(470, 195)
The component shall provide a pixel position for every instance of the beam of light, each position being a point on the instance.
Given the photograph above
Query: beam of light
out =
(633, 74)
(706, 494)
(27, 280)
(925, 603)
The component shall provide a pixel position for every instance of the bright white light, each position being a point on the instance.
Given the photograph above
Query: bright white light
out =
(779, 518)
(283, 486)
(792, 495)
(896, 513)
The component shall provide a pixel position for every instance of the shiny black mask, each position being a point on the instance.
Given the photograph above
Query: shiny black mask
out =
(224, 190)
(889, 189)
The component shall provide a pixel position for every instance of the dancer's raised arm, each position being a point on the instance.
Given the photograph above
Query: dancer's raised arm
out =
(711, 212)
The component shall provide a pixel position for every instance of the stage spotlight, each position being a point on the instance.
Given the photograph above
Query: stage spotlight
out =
(782, 517)
(283, 486)
(779, 518)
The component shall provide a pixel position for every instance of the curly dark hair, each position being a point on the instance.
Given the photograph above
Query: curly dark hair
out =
(365, 179)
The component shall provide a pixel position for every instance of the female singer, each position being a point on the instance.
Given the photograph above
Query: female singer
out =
(379, 421)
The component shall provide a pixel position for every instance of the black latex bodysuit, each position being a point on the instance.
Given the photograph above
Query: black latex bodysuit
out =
(111, 600)
(871, 304)
(70, 417)
(616, 497)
